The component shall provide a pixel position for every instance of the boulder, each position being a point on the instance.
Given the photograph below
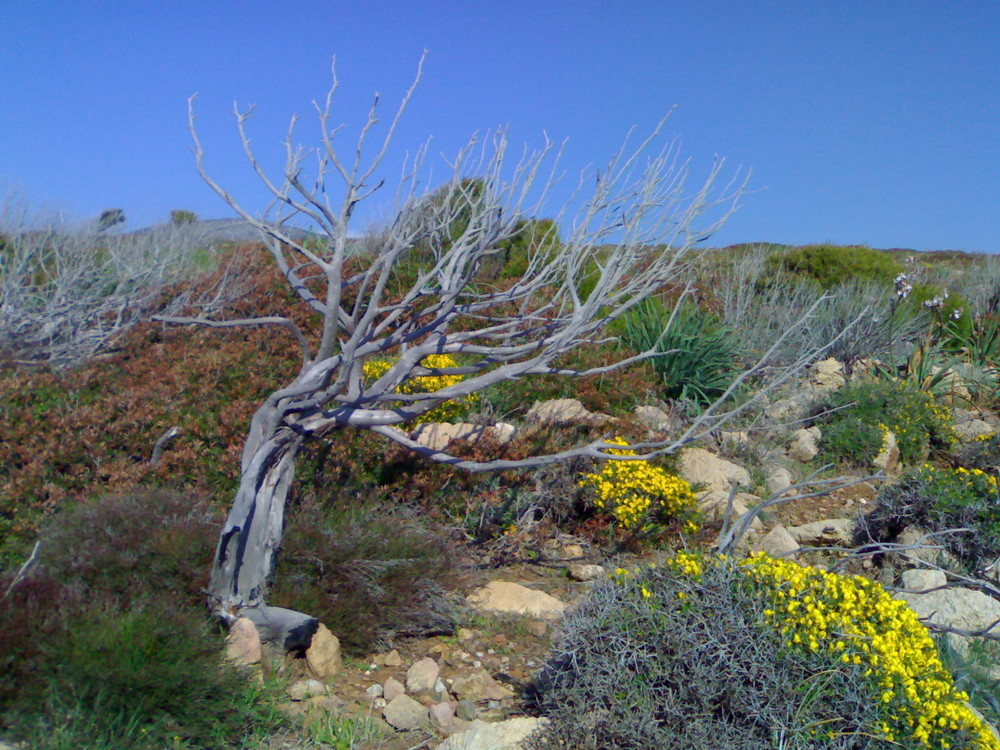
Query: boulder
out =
(972, 429)
(699, 466)
(392, 688)
(713, 507)
(827, 375)
(513, 598)
(323, 654)
(444, 716)
(405, 714)
(926, 551)
(392, 659)
(955, 607)
(299, 691)
(654, 418)
(501, 735)
(777, 479)
(833, 532)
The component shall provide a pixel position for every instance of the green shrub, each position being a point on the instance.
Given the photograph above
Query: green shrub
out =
(758, 654)
(364, 574)
(937, 499)
(179, 217)
(533, 237)
(852, 441)
(699, 353)
(912, 415)
(829, 265)
(983, 453)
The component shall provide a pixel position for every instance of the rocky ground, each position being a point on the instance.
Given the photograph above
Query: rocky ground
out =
(467, 689)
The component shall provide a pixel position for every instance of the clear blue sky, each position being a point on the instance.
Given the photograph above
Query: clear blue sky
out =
(863, 122)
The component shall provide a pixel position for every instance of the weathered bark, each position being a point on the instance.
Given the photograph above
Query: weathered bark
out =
(252, 532)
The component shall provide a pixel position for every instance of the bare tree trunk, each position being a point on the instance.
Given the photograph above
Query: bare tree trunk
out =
(252, 533)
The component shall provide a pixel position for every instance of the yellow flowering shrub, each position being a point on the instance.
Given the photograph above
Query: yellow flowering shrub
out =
(856, 622)
(844, 625)
(634, 491)
(449, 410)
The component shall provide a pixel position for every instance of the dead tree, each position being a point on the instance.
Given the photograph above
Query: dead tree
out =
(633, 233)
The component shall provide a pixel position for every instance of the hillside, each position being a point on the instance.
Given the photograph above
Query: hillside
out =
(890, 434)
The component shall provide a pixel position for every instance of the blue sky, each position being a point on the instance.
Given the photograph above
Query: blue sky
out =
(864, 122)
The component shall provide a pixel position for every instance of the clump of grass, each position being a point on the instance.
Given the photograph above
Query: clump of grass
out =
(82, 670)
(829, 265)
(106, 642)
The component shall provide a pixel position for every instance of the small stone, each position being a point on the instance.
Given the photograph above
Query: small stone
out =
(466, 710)
(391, 688)
(405, 714)
(833, 532)
(582, 572)
(464, 634)
(777, 543)
(422, 676)
(374, 690)
(392, 659)
(243, 643)
(439, 688)
(887, 460)
(513, 598)
(572, 552)
(537, 628)
(299, 691)
(443, 715)
(323, 654)
(479, 686)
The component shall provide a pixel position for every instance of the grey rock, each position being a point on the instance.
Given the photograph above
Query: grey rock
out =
(973, 428)
(804, 445)
(887, 460)
(243, 643)
(299, 691)
(323, 654)
(699, 466)
(564, 412)
(584, 572)
(466, 710)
